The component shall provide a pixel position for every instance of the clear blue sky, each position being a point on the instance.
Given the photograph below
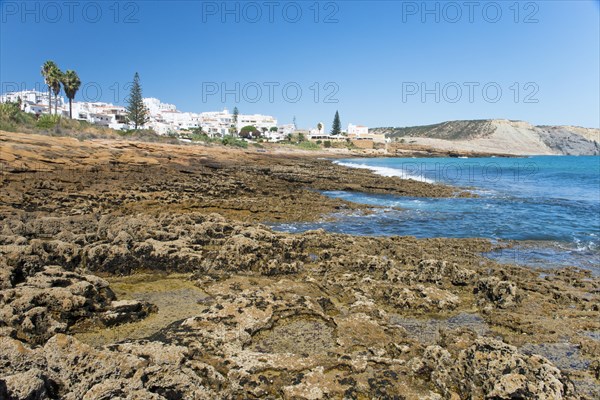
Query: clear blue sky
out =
(378, 55)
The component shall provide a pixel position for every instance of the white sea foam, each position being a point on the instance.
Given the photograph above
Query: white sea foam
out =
(387, 171)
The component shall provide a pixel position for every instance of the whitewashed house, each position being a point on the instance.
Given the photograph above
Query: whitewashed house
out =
(37, 109)
(261, 122)
(216, 123)
(357, 130)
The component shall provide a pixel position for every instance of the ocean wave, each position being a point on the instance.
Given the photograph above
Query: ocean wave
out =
(386, 171)
(585, 246)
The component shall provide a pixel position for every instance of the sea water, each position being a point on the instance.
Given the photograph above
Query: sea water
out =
(551, 204)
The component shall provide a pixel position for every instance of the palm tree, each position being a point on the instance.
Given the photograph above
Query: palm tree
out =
(55, 79)
(47, 69)
(71, 83)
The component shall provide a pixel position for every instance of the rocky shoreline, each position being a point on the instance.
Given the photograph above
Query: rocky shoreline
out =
(263, 314)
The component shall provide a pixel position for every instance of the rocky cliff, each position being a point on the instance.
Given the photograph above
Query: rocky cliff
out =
(499, 136)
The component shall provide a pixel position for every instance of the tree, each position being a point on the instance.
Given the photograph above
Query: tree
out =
(137, 114)
(336, 128)
(319, 127)
(295, 126)
(47, 70)
(236, 113)
(56, 76)
(249, 132)
(273, 129)
(71, 83)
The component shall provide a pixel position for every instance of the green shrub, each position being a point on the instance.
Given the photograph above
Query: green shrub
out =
(309, 146)
(249, 131)
(9, 112)
(234, 142)
(7, 126)
(327, 144)
(47, 121)
(199, 137)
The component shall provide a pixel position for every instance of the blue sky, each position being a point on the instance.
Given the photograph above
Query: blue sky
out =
(386, 63)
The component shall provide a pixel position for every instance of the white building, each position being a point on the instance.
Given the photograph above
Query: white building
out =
(163, 118)
(155, 106)
(219, 123)
(35, 99)
(179, 120)
(318, 131)
(261, 122)
(114, 117)
(357, 130)
(216, 123)
(282, 133)
(286, 129)
(37, 109)
(166, 119)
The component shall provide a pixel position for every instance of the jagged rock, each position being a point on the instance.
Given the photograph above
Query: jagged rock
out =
(595, 368)
(52, 252)
(275, 267)
(432, 271)
(126, 311)
(68, 369)
(326, 330)
(500, 292)
(420, 297)
(16, 357)
(51, 300)
(29, 385)
(491, 369)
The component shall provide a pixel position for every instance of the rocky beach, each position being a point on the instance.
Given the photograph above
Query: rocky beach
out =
(133, 270)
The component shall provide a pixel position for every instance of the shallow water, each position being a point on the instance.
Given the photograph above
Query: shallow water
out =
(298, 335)
(565, 356)
(175, 296)
(551, 202)
(427, 331)
(568, 358)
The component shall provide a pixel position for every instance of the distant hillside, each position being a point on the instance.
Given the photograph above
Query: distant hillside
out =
(499, 136)
(450, 130)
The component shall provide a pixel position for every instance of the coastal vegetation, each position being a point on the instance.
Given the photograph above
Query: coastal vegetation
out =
(71, 82)
(249, 132)
(137, 113)
(48, 121)
(336, 127)
(235, 116)
(12, 119)
(450, 130)
(234, 142)
(54, 78)
(49, 72)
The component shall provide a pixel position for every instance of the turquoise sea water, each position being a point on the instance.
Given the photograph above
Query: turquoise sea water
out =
(550, 203)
